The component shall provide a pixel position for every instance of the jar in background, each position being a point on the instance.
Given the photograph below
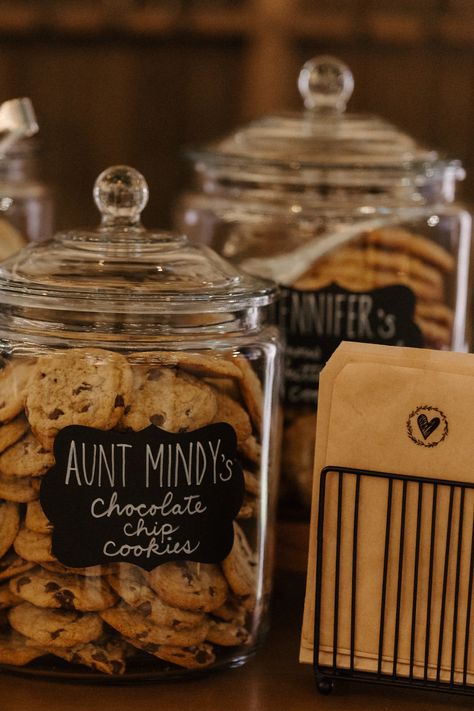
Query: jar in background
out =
(139, 447)
(358, 225)
(26, 202)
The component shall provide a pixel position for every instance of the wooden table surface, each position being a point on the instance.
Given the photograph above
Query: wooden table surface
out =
(272, 681)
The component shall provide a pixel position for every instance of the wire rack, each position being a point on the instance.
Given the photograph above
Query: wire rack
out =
(394, 581)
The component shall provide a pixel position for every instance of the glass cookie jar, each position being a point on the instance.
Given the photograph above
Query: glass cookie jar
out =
(357, 224)
(26, 205)
(138, 474)
(26, 202)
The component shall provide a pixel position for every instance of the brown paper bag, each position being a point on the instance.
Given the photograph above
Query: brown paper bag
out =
(406, 412)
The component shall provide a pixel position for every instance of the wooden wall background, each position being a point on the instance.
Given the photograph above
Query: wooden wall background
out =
(127, 81)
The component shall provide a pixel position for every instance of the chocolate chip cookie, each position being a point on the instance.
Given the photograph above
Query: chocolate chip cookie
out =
(132, 586)
(191, 586)
(227, 634)
(36, 520)
(12, 431)
(105, 655)
(15, 378)
(174, 401)
(197, 657)
(69, 592)
(251, 449)
(19, 489)
(231, 611)
(80, 386)
(133, 625)
(11, 564)
(252, 392)
(28, 457)
(229, 411)
(240, 566)
(55, 628)
(33, 546)
(203, 365)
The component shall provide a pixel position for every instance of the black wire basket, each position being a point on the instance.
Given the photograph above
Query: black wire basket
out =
(420, 622)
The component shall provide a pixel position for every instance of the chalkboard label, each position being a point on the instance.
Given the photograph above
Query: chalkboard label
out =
(144, 497)
(315, 323)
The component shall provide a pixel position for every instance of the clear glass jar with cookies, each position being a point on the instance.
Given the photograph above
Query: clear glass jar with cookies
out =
(355, 221)
(138, 451)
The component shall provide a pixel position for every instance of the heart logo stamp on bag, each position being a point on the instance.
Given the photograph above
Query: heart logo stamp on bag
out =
(427, 426)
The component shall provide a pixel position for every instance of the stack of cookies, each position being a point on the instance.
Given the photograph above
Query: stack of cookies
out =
(391, 256)
(379, 258)
(119, 618)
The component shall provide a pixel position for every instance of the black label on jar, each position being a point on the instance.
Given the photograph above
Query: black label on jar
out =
(144, 497)
(315, 323)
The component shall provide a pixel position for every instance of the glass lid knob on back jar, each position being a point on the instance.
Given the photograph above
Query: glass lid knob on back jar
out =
(354, 220)
(138, 451)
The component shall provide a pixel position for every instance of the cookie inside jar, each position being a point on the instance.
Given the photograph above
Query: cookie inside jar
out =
(138, 472)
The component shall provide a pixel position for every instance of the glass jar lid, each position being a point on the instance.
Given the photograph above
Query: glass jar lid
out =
(123, 268)
(323, 136)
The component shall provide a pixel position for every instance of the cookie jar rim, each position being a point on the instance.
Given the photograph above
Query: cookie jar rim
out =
(206, 157)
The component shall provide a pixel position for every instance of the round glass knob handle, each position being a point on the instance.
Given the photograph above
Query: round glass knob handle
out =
(326, 84)
(120, 193)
